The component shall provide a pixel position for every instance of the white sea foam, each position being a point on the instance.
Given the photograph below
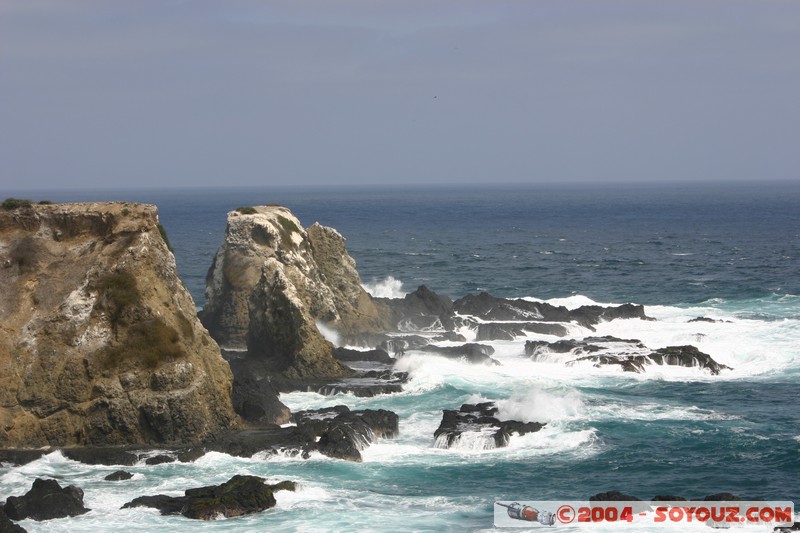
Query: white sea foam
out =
(653, 411)
(389, 287)
(330, 334)
(570, 302)
(540, 405)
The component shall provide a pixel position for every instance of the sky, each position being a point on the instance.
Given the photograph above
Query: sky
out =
(192, 93)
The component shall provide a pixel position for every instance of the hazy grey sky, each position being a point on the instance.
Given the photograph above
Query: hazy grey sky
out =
(172, 93)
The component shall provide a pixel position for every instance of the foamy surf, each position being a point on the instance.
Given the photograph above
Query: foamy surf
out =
(389, 287)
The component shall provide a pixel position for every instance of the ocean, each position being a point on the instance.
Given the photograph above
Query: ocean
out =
(730, 252)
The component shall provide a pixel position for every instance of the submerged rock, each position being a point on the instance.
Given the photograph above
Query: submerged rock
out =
(119, 475)
(99, 340)
(159, 459)
(479, 421)
(46, 500)
(241, 495)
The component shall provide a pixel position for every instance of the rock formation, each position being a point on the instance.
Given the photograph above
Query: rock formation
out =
(46, 500)
(630, 354)
(272, 283)
(479, 421)
(99, 339)
(239, 496)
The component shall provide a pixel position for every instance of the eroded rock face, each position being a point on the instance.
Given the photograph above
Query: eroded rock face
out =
(272, 282)
(99, 339)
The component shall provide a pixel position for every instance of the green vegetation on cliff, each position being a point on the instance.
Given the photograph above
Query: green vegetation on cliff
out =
(15, 203)
(149, 343)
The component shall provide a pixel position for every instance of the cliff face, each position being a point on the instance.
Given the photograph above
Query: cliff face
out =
(272, 282)
(99, 339)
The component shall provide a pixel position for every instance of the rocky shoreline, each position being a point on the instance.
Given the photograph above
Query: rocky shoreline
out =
(105, 358)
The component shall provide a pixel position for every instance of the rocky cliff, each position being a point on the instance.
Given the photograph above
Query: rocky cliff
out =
(99, 339)
(273, 285)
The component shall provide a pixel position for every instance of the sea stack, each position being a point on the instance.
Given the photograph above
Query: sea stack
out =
(273, 284)
(100, 342)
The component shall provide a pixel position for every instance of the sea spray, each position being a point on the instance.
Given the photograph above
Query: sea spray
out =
(389, 287)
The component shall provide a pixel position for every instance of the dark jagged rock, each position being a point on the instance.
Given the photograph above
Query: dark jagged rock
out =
(159, 459)
(450, 336)
(492, 331)
(350, 431)
(613, 496)
(377, 355)
(473, 353)
(46, 500)
(687, 356)
(535, 348)
(255, 398)
(367, 384)
(274, 440)
(668, 498)
(7, 526)
(101, 456)
(702, 319)
(119, 475)
(635, 357)
(488, 307)
(588, 315)
(419, 310)
(340, 433)
(479, 418)
(586, 345)
(241, 495)
(497, 331)
(190, 455)
(20, 457)
(398, 345)
(391, 344)
(166, 504)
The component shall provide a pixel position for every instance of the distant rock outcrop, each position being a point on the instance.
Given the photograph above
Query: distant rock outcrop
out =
(99, 340)
(272, 283)
(630, 354)
(490, 308)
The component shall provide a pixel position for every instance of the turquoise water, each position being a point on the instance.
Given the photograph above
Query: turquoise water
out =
(730, 254)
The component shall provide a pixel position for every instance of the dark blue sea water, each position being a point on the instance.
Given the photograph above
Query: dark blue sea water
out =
(731, 252)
